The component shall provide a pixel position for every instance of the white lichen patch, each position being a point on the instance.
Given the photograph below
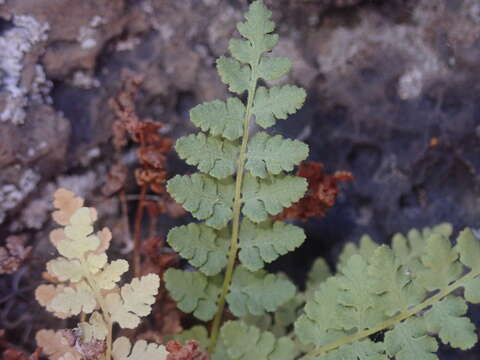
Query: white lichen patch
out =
(15, 44)
(41, 87)
(147, 7)
(11, 195)
(128, 44)
(97, 21)
(410, 84)
(87, 35)
(82, 184)
(84, 80)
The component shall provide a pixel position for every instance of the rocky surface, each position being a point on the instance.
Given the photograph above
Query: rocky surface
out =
(393, 98)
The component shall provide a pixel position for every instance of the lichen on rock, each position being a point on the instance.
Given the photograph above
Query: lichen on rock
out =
(15, 44)
(12, 195)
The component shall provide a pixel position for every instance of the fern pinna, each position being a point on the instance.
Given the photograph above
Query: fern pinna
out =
(242, 181)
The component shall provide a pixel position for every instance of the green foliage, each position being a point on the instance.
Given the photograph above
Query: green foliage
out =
(205, 197)
(277, 103)
(234, 74)
(204, 247)
(445, 318)
(257, 33)
(220, 118)
(262, 198)
(257, 292)
(274, 67)
(390, 280)
(273, 154)
(409, 340)
(242, 342)
(193, 292)
(318, 273)
(265, 242)
(198, 333)
(242, 182)
(361, 350)
(405, 290)
(440, 262)
(212, 155)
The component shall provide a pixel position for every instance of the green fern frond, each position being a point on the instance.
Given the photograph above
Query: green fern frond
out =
(193, 292)
(205, 197)
(277, 103)
(198, 333)
(273, 154)
(265, 197)
(242, 183)
(220, 118)
(406, 291)
(234, 336)
(211, 155)
(265, 242)
(204, 247)
(257, 292)
(234, 74)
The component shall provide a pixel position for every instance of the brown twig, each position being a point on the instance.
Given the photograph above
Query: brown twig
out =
(137, 245)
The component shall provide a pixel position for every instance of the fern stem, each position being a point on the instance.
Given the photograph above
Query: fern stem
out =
(106, 316)
(137, 245)
(237, 202)
(394, 320)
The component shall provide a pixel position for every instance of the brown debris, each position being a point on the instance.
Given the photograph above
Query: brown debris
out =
(13, 254)
(92, 349)
(116, 179)
(157, 259)
(69, 343)
(153, 146)
(321, 195)
(149, 253)
(189, 351)
(11, 352)
(15, 354)
(57, 345)
(165, 311)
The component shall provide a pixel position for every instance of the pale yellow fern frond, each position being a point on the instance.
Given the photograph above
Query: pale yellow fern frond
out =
(134, 301)
(111, 274)
(95, 262)
(56, 346)
(123, 350)
(95, 328)
(74, 300)
(45, 294)
(66, 203)
(85, 282)
(105, 236)
(65, 270)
